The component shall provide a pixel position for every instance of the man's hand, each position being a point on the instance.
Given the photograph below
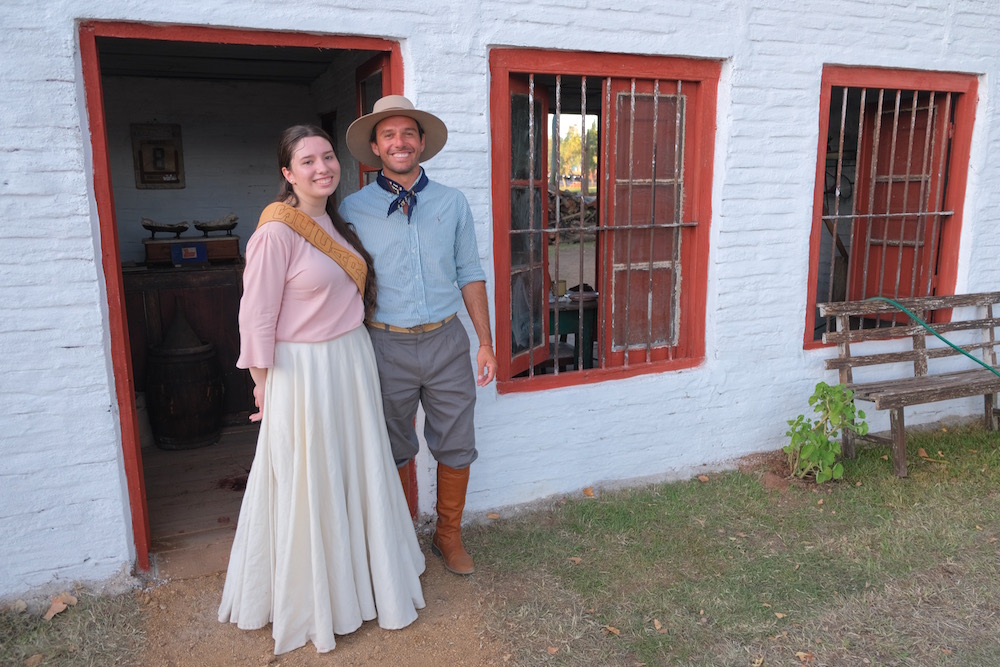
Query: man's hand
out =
(474, 295)
(486, 365)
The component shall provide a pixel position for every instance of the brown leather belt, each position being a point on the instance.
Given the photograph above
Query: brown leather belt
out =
(420, 328)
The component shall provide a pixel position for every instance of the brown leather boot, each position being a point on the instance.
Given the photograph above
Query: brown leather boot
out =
(447, 542)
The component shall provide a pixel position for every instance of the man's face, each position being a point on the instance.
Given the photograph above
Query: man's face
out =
(399, 145)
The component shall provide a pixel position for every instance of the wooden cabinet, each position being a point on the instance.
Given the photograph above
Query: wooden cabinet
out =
(210, 297)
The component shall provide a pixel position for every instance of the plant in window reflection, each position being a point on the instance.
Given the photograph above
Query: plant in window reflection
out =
(814, 447)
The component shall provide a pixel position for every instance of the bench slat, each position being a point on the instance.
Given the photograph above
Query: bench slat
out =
(890, 394)
(837, 363)
(907, 330)
(834, 308)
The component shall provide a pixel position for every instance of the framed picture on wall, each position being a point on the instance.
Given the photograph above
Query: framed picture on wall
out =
(157, 156)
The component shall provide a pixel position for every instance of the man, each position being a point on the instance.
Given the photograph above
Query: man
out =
(422, 239)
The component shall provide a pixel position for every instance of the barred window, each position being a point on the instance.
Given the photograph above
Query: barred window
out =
(601, 212)
(890, 183)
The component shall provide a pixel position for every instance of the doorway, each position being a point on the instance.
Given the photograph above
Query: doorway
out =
(217, 100)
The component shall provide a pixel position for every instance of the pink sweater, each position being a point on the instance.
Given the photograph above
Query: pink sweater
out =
(292, 292)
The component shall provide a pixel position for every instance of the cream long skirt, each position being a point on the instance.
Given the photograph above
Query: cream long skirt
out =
(324, 540)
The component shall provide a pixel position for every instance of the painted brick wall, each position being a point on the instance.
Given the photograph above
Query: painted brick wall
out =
(64, 512)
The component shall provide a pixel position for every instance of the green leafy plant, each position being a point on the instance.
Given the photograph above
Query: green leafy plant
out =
(814, 447)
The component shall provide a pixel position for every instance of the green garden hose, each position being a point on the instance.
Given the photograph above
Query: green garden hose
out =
(913, 317)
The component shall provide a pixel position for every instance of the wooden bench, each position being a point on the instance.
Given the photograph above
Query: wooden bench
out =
(872, 321)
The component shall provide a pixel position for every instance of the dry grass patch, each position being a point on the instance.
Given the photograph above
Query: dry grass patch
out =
(98, 631)
(738, 570)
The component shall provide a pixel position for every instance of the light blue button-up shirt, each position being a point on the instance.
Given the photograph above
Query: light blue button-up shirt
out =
(421, 264)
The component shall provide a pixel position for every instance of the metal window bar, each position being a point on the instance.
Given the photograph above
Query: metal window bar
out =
(884, 241)
(873, 169)
(932, 181)
(678, 178)
(675, 223)
(606, 279)
(626, 337)
(906, 197)
(941, 178)
(531, 220)
(584, 186)
(618, 304)
(557, 169)
(556, 230)
(652, 221)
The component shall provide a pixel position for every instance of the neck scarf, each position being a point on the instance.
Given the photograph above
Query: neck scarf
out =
(406, 200)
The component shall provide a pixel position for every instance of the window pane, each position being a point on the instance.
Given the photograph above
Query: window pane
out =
(648, 313)
(635, 204)
(669, 118)
(526, 239)
(526, 299)
(520, 138)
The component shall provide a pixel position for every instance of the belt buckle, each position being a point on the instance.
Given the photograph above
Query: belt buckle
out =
(420, 328)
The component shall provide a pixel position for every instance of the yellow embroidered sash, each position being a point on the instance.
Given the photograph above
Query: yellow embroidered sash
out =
(317, 236)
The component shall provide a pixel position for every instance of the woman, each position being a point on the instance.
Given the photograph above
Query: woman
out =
(324, 540)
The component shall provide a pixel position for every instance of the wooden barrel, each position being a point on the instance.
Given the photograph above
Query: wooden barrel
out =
(184, 390)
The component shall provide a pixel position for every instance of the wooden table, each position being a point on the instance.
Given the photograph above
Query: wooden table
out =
(569, 311)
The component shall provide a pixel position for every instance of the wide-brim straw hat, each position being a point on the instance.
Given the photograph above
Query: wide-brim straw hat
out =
(360, 132)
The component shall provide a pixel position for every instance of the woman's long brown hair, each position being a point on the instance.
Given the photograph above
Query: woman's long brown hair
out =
(290, 138)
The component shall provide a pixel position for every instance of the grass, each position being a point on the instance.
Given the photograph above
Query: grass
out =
(872, 570)
(98, 631)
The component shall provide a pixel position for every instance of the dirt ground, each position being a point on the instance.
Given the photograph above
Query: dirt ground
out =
(182, 628)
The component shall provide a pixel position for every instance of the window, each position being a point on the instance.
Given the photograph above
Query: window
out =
(890, 180)
(602, 170)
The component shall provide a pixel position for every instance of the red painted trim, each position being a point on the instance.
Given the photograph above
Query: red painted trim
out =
(705, 75)
(103, 193)
(954, 196)
(574, 378)
(383, 63)
(500, 118)
(118, 329)
(967, 87)
(196, 33)
(579, 63)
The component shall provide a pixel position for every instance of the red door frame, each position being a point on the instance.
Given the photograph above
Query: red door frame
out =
(966, 86)
(104, 198)
(380, 63)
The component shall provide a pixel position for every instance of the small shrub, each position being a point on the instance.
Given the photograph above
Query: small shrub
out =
(814, 447)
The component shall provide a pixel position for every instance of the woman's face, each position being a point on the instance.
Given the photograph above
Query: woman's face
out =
(313, 172)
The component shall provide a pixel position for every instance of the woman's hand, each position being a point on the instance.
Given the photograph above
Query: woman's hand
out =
(259, 376)
(258, 400)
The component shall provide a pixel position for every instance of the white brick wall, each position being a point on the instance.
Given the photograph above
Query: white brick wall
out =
(63, 503)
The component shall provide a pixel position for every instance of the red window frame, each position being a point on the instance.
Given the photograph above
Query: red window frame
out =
(702, 76)
(963, 88)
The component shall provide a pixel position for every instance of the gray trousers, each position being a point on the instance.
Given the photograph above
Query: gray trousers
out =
(431, 369)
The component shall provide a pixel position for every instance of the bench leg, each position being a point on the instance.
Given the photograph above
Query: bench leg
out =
(847, 443)
(989, 400)
(898, 441)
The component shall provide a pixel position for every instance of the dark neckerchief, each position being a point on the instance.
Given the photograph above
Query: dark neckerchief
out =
(406, 200)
